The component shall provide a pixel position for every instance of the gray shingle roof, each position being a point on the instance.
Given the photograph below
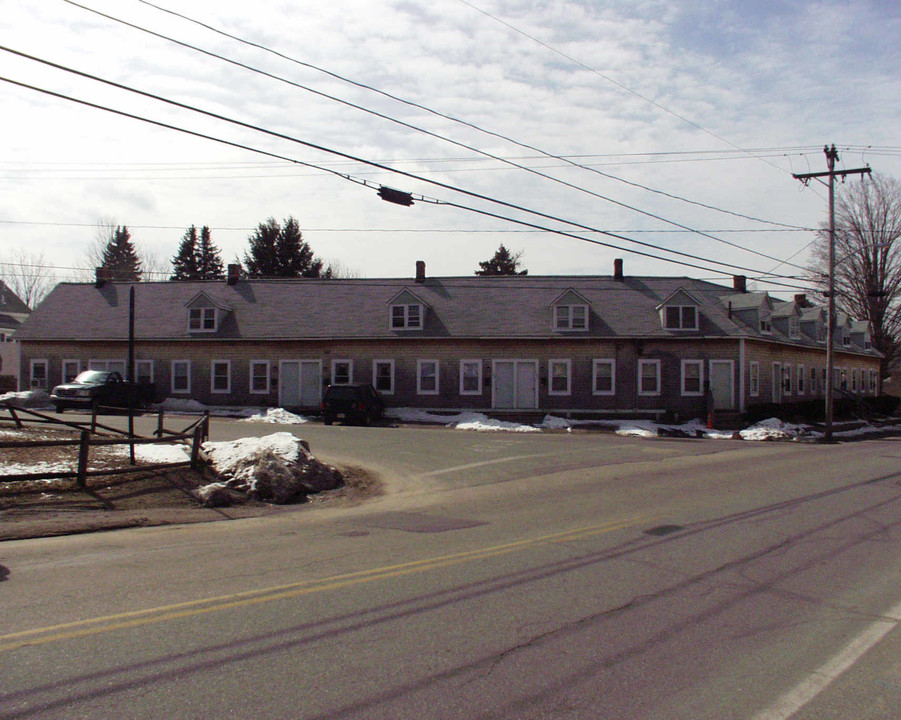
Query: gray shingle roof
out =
(458, 307)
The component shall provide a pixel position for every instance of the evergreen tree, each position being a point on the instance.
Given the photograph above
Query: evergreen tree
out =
(280, 251)
(184, 264)
(120, 258)
(503, 263)
(209, 259)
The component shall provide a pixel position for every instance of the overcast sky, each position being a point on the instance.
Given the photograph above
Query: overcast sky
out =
(715, 102)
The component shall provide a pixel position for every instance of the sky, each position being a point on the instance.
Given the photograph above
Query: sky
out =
(675, 124)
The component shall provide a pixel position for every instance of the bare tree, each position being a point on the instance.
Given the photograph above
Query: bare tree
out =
(29, 276)
(868, 259)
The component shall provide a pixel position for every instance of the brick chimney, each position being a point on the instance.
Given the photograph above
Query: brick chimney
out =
(740, 283)
(801, 300)
(233, 274)
(420, 271)
(618, 269)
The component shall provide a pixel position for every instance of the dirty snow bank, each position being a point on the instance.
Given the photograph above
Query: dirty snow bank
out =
(460, 421)
(28, 399)
(277, 468)
(276, 416)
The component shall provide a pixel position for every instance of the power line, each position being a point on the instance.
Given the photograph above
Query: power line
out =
(437, 136)
(321, 148)
(365, 183)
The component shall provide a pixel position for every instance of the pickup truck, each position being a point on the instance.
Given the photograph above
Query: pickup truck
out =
(93, 388)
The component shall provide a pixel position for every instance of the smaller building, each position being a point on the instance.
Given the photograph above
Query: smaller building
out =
(12, 312)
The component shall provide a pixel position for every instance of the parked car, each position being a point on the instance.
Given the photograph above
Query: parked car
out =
(100, 387)
(353, 403)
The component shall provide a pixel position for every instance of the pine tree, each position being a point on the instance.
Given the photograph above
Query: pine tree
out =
(209, 259)
(503, 263)
(280, 251)
(120, 258)
(184, 264)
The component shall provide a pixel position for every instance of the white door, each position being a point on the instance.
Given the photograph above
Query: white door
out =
(300, 383)
(722, 384)
(515, 384)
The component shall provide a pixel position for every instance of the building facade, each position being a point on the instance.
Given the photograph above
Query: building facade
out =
(577, 345)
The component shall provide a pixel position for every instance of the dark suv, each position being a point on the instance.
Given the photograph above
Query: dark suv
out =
(354, 403)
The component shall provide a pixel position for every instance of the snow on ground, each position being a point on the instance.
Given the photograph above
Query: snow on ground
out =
(157, 452)
(27, 398)
(460, 421)
(227, 456)
(277, 416)
(38, 467)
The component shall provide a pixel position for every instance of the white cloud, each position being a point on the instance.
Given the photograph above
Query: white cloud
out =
(754, 74)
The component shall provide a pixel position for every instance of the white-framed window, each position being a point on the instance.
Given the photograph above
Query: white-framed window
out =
(794, 327)
(603, 377)
(754, 379)
(427, 377)
(71, 368)
(843, 378)
(570, 317)
(259, 377)
(766, 327)
(812, 387)
(874, 379)
(181, 376)
(202, 319)
(38, 376)
(110, 365)
(800, 382)
(406, 317)
(821, 333)
(867, 344)
(680, 317)
(383, 376)
(342, 372)
(470, 377)
(144, 371)
(221, 376)
(559, 372)
(787, 379)
(846, 339)
(854, 375)
(648, 377)
(692, 377)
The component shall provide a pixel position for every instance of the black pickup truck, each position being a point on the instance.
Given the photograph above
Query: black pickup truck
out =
(94, 388)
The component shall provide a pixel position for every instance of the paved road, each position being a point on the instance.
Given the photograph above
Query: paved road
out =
(506, 576)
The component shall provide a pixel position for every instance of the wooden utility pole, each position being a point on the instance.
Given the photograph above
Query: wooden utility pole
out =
(831, 173)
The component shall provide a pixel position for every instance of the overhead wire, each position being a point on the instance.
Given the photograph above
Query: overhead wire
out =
(348, 177)
(433, 134)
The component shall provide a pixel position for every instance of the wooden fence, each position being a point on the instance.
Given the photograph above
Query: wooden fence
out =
(193, 436)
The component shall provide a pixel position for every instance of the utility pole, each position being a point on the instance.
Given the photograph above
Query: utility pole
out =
(831, 173)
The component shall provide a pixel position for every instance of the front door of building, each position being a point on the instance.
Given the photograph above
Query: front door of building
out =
(722, 384)
(515, 384)
(300, 383)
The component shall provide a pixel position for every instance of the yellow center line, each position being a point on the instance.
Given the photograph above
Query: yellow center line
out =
(193, 608)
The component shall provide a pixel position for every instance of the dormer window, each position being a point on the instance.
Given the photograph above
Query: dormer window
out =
(867, 345)
(846, 340)
(202, 319)
(406, 317)
(794, 327)
(766, 327)
(821, 333)
(680, 317)
(570, 317)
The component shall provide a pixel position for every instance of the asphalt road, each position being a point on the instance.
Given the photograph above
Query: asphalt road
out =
(503, 576)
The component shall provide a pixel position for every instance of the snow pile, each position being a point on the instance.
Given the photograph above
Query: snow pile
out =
(157, 452)
(180, 405)
(460, 421)
(774, 429)
(276, 416)
(27, 399)
(638, 428)
(277, 468)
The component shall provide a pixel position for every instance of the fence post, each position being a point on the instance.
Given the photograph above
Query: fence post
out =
(83, 447)
(159, 424)
(195, 447)
(12, 411)
(93, 417)
(206, 425)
